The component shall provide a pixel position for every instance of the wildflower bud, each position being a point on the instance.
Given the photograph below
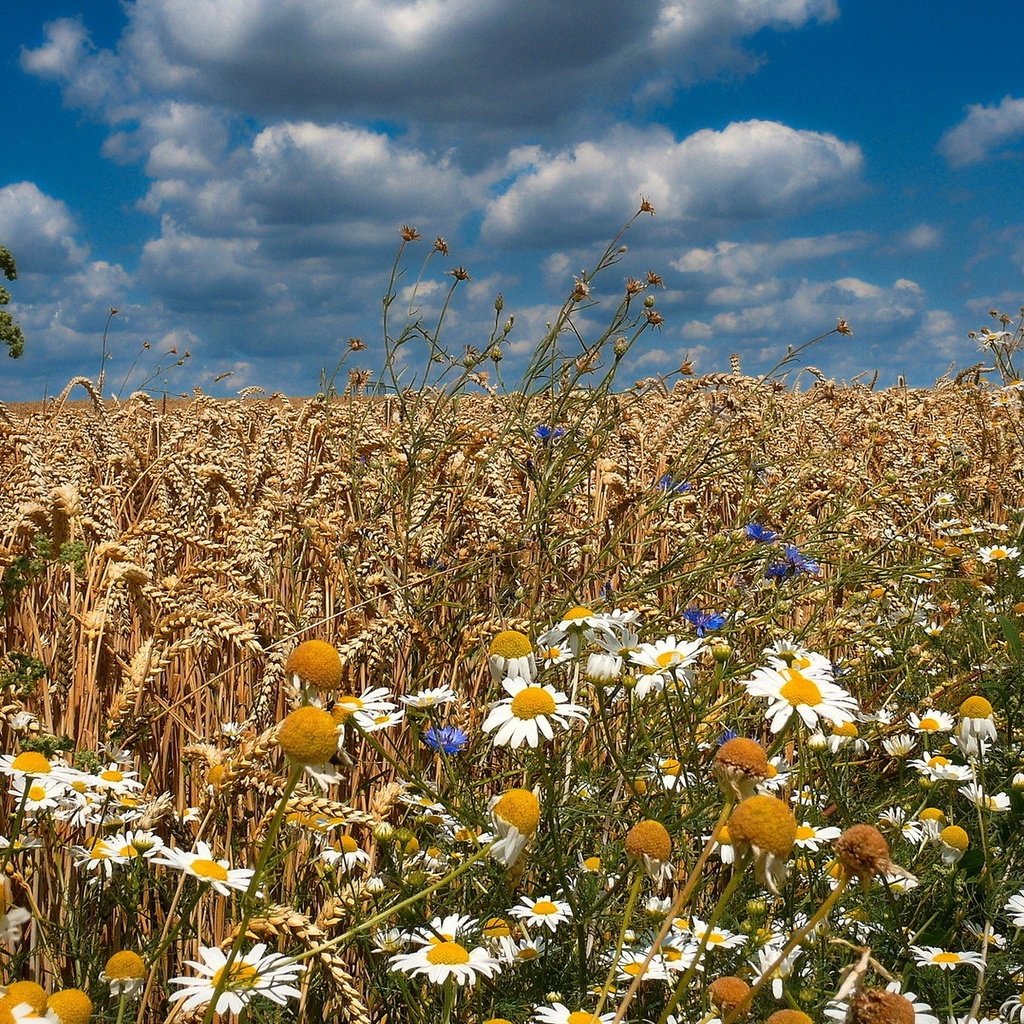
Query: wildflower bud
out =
(817, 741)
(720, 651)
(416, 879)
(648, 302)
(383, 832)
(620, 347)
(375, 885)
(499, 302)
(495, 354)
(756, 907)
(879, 1006)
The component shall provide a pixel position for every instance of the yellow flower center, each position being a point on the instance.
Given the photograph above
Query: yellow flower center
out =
(510, 644)
(846, 729)
(932, 814)
(125, 965)
(99, 850)
(527, 953)
(316, 662)
(929, 724)
(308, 736)
(633, 969)
(128, 851)
(577, 612)
(71, 1006)
(36, 793)
(670, 766)
(667, 659)
(112, 775)
(30, 992)
(938, 761)
(532, 701)
(346, 706)
(976, 707)
(805, 832)
(348, 844)
(239, 975)
(551, 653)
(448, 953)
(582, 1017)
(496, 928)
(955, 836)
(592, 863)
(649, 838)
(519, 807)
(724, 838)
(209, 869)
(946, 958)
(31, 762)
(764, 822)
(798, 689)
(544, 907)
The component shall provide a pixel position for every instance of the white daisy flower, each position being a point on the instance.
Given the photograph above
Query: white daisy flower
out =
(900, 745)
(344, 853)
(255, 974)
(114, 779)
(714, 938)
(520, 951)
(767, 956)
(790, 691)
(945, 959)
(543, 912)
(433, 697)
(998, 553)
(940, 769)
(996, 802)
(527, 714)
(30, 763)
(203, 865)
(559, 1013)
(36, 794)
(552, 649)
(137, 843)
(1014, 906)
(98, 856)
(899, 819)
(787, 654)
(631, 966)
(440, 961)
(449, 928)
(380, 720)
(669, 657)
(810, 837)
(931, 722)
(364, 708)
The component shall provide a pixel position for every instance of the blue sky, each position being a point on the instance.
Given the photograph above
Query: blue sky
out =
(232, 174)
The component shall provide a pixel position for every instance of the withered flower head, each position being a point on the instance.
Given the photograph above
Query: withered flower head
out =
(879, 1006)
(410, 234)
(441, 246)
(863, 851)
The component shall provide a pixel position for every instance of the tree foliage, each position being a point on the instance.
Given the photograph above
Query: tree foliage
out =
(10, 332)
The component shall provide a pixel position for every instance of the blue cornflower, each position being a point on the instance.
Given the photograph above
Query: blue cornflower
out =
(704, 620)
(545, 433)
(794, 564)
(667, 483)
(760, 533)
(447, 738)
(729, 734)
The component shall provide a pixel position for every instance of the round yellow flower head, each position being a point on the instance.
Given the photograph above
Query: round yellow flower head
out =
(863, 851)
(30, 992)
(31, 762)
(496, 928)
(727, 993)
(125, 966)
(216, 775)
(521, 808)
(317, 663)
(578, 611)
(308, 736)
(932, 814)
(764, 823)
(510, 643)
(878, 1006)
(976, 707)
(651, 839)
(955, 836)
(497, 1020)
(70, 1006)
(789, 1017)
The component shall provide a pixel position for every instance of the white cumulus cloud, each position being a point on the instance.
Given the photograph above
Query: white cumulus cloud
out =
(983, 132)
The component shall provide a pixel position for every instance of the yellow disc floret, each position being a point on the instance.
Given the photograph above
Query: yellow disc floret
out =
(932, 814)
(976, 707)
(956, 837)
(531, 702)
(30, 992)
(510, 643)
(789, 1017)
(798, 689)
(649, 838)
(125, 966)
(308, 736)
(578, 611)
(317, 663)
(70, 1006)
(448, 953)
(764, 822)
(31, 762)
(521, 808)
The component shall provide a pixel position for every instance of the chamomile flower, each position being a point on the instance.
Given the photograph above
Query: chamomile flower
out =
(344, 853)
(136, 843)
(31, 764)
(527, 714)
(940, 769)
(114, 779)
(515, 815)
(899, 819)
(449, 928)
(1014, 906)
(257, 973)
(440, 961)
(363, 710)
(810, 837)
(945, 959)
(380, 720)
(838, 1010)
(432, 697)
(766, 957)
(1013, 1008)
(787, 654)
(37, 794)
(669, 657)
(977, 725)
(790, 691)
(511, 654)
(931, 820)
(995, 802)
(98, 856)
(670, 771)
(559, 1013)
(514, 951)
(649, 843)
(202, 864)
(953, 842)
(125, 973)
(900, 745)
(631, 965)
(764, 825)
(543, 912)
(998, 553)
(714, 938)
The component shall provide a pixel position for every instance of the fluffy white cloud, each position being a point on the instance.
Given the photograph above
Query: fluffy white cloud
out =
(747, 171)
(737, 261)
(39, 230)
(983, 132)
